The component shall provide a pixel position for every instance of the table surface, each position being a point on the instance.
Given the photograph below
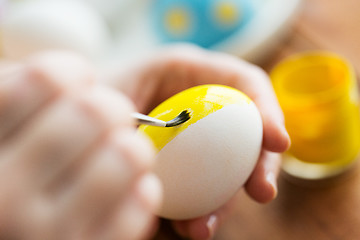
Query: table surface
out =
(326, 210)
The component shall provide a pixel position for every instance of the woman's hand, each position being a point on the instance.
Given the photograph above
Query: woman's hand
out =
(178, 68)
(71, 166)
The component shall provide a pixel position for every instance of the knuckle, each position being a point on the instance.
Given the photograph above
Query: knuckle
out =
(135, 148)
(259, 73)
(110, 175)
(108, 106)
(59, 71)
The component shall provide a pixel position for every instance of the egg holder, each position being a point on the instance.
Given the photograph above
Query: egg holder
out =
(250, 29)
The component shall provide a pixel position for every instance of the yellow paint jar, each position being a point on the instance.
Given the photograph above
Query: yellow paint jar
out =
(318, 94)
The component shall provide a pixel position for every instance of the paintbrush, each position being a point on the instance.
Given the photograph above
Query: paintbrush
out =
(145, 119)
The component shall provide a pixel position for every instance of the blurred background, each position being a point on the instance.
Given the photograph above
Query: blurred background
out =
(261, 31)
(122, 30)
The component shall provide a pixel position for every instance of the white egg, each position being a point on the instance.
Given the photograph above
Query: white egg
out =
(208, 159)
(31, 26)
(113, 10)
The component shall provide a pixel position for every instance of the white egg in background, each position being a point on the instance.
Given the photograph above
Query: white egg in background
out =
(114, 10)
(31, 26)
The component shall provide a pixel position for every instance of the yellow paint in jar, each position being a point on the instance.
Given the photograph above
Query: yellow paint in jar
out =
(318, 94)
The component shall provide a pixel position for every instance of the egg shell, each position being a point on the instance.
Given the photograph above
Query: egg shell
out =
(112, 10)
(206, 163)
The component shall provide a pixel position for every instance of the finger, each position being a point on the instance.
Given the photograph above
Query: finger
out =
(133, 218)
(96, 183)
(261, 185)
(8, 68)
(204, 227)
(21, 95)
(64, 131)
(25, 88)
(259, 89)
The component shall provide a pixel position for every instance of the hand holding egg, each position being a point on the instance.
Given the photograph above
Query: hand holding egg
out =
(203, 162)
(156, 79)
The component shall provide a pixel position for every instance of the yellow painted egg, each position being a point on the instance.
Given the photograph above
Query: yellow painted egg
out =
(203, 162)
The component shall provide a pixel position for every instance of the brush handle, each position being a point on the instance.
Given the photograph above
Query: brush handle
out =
(145, 119)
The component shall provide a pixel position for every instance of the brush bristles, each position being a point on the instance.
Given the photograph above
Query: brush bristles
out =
(180, 119)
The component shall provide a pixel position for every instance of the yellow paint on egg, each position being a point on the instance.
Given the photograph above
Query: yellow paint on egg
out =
(199, 101)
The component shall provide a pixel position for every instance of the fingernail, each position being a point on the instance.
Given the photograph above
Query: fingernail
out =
(150, 191)
(287, 137)
(271, 179)
(212, 225)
